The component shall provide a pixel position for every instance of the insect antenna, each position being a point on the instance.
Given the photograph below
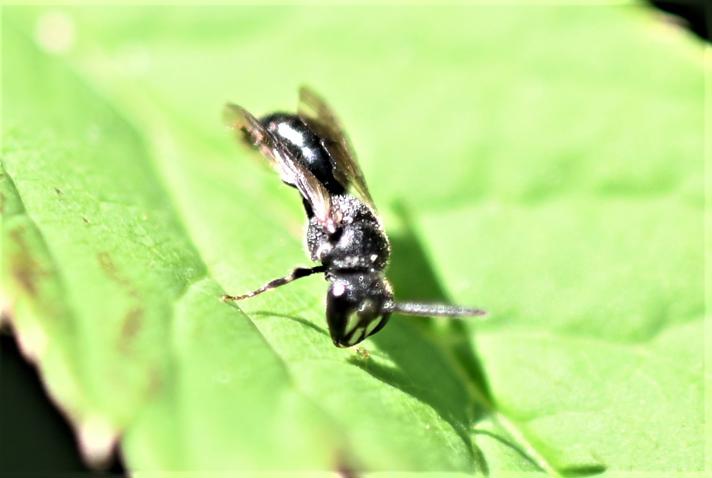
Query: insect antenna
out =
(430, 310)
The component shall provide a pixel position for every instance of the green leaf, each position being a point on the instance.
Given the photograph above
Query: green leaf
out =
(542, 162)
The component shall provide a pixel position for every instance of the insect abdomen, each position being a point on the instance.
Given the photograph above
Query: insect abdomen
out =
(305, 145)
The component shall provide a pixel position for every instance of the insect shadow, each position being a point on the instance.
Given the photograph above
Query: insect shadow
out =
(304, 322)
(414, 277)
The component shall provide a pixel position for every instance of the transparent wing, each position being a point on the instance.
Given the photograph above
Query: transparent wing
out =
(290, 169)
(317, 113)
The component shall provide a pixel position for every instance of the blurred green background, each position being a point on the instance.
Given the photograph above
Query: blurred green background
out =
(544, 162)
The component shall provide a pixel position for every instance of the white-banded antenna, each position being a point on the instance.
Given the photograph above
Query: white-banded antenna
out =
(431, 310)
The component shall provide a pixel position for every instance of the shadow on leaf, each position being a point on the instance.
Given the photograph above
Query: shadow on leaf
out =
(422, 348)
(413, 278)
(304, 322)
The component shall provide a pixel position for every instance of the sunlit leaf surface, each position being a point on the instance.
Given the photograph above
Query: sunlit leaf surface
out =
(544, 163)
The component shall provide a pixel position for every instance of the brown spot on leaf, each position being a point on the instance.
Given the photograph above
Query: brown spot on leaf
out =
(133, 319)
(132, 323)
(58, 191)
(2, 203)
(25, 268)
(86, 221)
(155, 382)
(130, 327)
(108, 266)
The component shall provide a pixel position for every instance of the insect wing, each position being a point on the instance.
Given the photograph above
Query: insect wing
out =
(249, 129)
(318, 115)
(290, 169)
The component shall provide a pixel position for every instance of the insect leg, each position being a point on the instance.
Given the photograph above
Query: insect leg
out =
(297, 273)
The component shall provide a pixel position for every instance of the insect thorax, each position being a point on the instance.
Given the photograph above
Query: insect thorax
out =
(359, 243)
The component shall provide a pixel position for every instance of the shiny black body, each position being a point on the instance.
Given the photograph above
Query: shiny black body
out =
(355, 255)
(306, 145)
(312, 154)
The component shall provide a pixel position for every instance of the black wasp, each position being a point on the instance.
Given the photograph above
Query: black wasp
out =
(311, 153)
